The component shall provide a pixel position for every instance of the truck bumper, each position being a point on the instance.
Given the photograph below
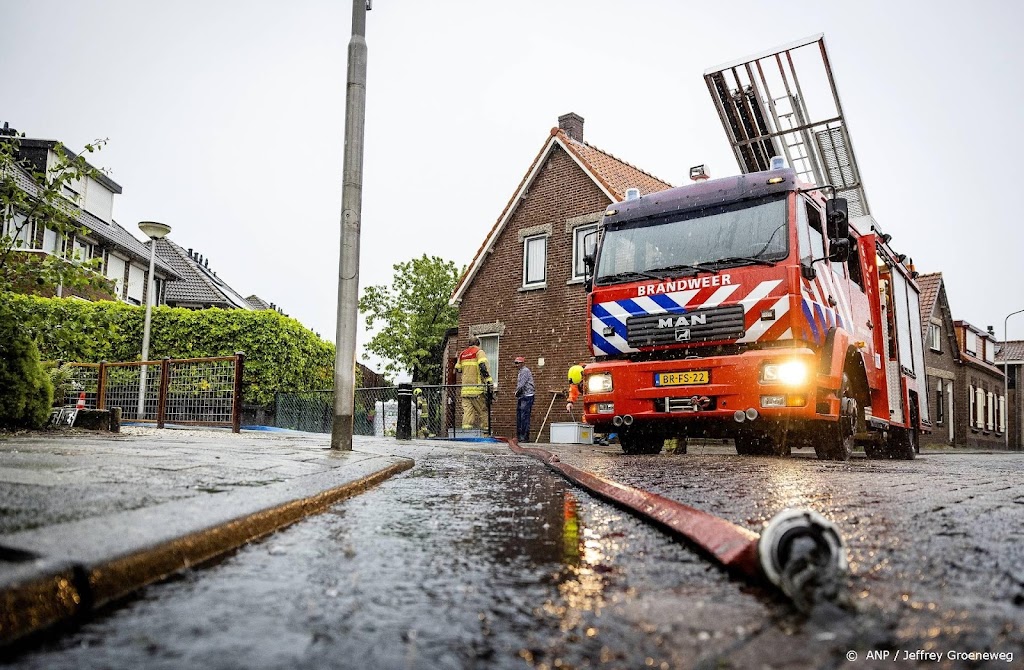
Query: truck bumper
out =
(737, 391)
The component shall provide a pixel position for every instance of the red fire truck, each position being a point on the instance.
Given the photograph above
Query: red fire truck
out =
(756, 308)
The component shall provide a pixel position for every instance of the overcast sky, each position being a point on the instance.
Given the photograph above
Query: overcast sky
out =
(225, 120)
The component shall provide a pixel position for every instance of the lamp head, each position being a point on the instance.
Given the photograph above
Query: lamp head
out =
(154, 230)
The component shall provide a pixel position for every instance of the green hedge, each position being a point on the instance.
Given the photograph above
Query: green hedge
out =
(281, 354)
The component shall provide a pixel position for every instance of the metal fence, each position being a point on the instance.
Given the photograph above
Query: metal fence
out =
(437, 411)
(190, 391)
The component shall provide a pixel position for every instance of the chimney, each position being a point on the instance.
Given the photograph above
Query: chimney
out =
(572, 125)
(206, 262)
(992, 331)
(190, 252)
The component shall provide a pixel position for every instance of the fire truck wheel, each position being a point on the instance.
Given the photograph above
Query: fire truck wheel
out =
(835, 443)
(641, 440)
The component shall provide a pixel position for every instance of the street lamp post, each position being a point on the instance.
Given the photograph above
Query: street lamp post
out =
(351, 212)
(154, 231)
(1006, 383)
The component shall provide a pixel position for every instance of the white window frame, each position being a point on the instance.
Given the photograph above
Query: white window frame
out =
(971, 342)
(990, 411)
(52, 242)
(935, 337)
(136, 284)
(579, 234)
(491, 343)
(26, 234)
(543, 239)
(979, 408)
(119, 283)
(82, 248)
(972, 414)
(990, 349)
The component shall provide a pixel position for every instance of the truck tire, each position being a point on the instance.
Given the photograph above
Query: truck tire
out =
(835, 442)
(641, 440)
(904, 443)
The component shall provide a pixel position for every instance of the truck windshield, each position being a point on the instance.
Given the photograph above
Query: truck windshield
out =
(751, 232)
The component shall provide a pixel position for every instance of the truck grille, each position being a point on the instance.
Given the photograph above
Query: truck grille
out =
(719, 323)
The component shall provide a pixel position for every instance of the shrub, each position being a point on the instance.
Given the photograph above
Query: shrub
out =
(26, 392)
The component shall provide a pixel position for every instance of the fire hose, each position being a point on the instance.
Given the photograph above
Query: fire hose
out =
(799, 551)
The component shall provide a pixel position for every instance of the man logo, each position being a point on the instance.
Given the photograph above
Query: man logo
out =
(684, 320)
(682, 335)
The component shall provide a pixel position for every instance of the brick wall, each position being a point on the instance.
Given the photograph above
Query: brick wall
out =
(941, 365)
(547, 323)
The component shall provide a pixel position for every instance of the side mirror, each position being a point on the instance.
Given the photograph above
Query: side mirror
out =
(839, 250)
(837, 215)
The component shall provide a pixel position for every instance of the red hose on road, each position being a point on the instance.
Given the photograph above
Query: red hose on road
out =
(733, 546)
(799, 551)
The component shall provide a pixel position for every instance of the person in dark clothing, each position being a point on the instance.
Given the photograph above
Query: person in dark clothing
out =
(525, 391)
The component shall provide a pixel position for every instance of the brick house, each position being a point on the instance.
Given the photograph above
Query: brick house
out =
(1011, 355)
(979, 408)
(125, 259)
(523, 293)
(941, 359)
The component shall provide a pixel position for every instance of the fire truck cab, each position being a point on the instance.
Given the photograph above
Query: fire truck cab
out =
(750, 308)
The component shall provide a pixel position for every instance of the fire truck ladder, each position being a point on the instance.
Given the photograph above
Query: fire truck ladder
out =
(765, 110)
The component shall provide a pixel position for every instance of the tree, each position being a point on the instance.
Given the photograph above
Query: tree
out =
(415, 315)
(28, 196)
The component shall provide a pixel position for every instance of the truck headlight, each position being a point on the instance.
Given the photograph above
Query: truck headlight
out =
(791, 373)
(600, 382)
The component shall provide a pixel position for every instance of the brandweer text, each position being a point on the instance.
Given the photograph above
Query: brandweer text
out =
(683, 284)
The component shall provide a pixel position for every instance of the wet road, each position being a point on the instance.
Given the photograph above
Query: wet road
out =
(478, 558)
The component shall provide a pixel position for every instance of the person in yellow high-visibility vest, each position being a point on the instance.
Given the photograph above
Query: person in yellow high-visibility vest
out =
(476, 381)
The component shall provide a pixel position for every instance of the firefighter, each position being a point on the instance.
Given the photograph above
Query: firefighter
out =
(476, 382)
(575, 386)
(575, 389)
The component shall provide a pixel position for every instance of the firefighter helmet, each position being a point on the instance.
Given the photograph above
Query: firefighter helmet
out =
(417, 391)
(576, 374)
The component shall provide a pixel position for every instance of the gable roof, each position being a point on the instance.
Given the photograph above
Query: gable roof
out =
(929, 285)
(1011, 352)
(198, 285)
(257, 302)
(611, 174)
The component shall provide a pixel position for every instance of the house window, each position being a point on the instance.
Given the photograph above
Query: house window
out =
(971, 414)
(979, 408)
(136, 284)
(971, 342)
(535, 252)
(115, 273)
(81, 250)
(581, 245)
(990, 411)
(940, 404)
(489, 343)
(990, 350)
(51, 241)
(935, 337)
(19, 228)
